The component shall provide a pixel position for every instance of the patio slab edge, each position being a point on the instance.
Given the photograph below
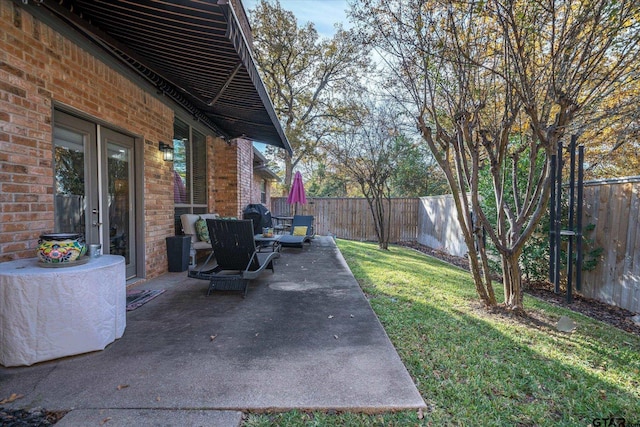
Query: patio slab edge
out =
(150, 417)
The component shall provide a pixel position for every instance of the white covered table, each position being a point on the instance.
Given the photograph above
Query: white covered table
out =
(47, 313)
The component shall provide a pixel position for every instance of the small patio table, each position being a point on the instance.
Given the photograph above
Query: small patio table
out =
(283, 223)
(272, 242)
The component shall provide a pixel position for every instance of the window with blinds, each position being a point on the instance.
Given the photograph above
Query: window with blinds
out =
(189, 171)
(199, 168)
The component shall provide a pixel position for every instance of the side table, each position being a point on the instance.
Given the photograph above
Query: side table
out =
(267, 242)
(47, 313)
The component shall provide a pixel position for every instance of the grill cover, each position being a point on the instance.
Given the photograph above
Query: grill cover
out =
(260, 215)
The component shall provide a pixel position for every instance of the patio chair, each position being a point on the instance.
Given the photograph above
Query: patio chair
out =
(199, 239)
(237, 260)
(302, 231)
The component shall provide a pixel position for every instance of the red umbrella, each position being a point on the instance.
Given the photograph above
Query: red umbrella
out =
(297, 195)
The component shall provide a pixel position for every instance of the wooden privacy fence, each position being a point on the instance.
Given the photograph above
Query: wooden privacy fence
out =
(350, 218)
(438, 225)
(613, 206)
(430, 221)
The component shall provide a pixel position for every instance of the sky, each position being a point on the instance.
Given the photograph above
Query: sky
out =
(323, 13)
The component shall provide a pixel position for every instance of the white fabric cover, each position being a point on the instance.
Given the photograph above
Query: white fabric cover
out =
(47, 313)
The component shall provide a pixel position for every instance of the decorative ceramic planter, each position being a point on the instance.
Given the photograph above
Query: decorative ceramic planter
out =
(60, 248)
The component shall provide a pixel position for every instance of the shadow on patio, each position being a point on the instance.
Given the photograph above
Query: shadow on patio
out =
(305, 337)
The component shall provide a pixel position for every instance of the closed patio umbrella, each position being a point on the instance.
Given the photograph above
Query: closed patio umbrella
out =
(297, 194)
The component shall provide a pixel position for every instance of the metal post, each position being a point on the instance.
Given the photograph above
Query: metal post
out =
(571, 233)
(579, 219)
(558, 216)
(552, 220)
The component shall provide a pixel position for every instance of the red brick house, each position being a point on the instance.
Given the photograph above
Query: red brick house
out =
(92, 94)
(262, 179)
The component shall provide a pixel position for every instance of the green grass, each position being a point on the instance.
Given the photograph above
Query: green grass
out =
(473, 368)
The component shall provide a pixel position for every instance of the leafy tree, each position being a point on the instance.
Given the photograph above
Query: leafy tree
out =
(368, 151)
(308, 78)
(613, 137)
(417, 174)
(489, 82)
(534, 260)
(325, 183)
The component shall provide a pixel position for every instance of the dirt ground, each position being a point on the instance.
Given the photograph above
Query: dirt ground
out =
(616, 316)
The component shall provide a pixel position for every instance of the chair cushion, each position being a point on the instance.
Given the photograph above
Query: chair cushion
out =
(300, 230)
(198, 246)
(202, 231)
(288, 240)
(189, 227)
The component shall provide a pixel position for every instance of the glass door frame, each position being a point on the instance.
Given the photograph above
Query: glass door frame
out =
(106, 137)
(98, 164)
(91, 199)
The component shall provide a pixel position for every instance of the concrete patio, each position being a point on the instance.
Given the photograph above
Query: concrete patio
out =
(305, 337)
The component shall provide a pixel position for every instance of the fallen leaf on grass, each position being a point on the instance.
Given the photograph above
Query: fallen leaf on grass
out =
(420, 414)
(14, 396)
(121, 386)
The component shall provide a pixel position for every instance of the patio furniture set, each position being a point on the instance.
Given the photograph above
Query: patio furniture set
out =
(240, 252)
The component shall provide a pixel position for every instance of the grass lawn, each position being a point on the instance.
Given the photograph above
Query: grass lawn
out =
(478, 369)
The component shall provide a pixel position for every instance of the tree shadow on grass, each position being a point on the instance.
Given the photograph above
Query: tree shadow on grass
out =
(480, 375)
(483, 369)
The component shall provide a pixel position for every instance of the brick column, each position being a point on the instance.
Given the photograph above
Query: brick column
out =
(233, 166)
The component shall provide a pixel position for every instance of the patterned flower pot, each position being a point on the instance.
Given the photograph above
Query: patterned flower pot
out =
(58, 248)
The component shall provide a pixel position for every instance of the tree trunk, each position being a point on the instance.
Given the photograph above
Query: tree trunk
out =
(376, 201)
(512, 281)
(486, 268)
(288, 175)
(483, 284)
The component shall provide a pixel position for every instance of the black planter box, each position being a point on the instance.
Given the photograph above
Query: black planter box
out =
(178, 253)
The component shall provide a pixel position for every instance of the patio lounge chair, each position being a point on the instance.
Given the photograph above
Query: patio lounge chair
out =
(189, 228)
(302, 231)
(237, 260)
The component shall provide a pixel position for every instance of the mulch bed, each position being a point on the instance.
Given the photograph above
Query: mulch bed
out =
(33, 418)
(615, 316)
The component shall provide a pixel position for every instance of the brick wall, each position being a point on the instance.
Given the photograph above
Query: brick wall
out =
(233, 163)
(256, 190)
(245, 169)
(224, 189)
(38, 68)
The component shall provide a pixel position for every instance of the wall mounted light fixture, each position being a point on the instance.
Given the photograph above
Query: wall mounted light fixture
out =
(167, 151)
